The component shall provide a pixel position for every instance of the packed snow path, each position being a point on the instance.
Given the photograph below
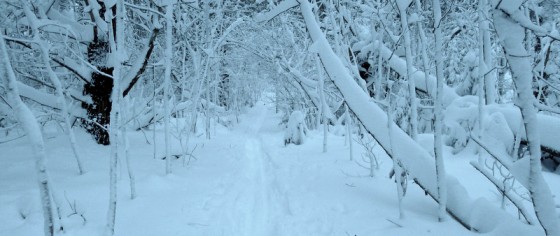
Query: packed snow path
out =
(248, 205)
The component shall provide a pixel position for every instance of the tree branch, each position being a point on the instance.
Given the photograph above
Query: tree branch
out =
(139, 66)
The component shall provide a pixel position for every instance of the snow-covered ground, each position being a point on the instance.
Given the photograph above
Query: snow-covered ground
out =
(244, 181)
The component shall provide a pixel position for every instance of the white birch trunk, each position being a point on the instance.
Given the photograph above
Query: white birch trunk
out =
(398, 180)
(207, 106)
(396, 165)
(323, 103)
(154, 113)
(349, 134)
(489, 77)
(512, 40)
(380, 80)
(480, 82)
(31, 126)
(167, 78)
(60, 99)
(423, 43)
(413, 119)
(438, 146)
(116, 43)
(130, 170)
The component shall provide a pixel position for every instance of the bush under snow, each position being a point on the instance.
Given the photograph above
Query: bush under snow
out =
(296, 130)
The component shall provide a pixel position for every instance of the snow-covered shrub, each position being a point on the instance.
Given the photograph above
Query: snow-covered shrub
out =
(496, 128)
(296, 130)
(460, 119)
(339, 127)
(399, 105)
(467, 85)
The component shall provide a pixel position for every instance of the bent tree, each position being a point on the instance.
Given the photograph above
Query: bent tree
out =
(31, 127)
(512, 35)
(418, 163)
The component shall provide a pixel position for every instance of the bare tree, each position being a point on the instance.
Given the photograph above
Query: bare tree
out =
(31, 126)
(438, 144)
(510, 26)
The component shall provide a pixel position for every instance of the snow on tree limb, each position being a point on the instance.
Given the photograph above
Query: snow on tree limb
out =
(415, 159)
(550, 130)
(512, 39)
(282, 7)
(515, 199)
(140, 64)
(46, 99)
(31, 126)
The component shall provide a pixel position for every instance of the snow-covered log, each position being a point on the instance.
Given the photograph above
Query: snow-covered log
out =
(417, 161)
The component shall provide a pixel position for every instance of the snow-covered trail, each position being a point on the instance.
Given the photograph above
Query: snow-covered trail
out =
(248, 206)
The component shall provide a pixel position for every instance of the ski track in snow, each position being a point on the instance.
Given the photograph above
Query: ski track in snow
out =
(246, 196)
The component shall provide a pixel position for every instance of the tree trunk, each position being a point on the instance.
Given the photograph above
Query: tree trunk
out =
(167, 78)
(31, 126)
(116, 42)
(405, 30)
(512, 39)
(438, 145)
(99, 88)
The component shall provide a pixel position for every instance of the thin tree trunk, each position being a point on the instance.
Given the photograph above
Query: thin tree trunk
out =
(413, 119)
(167, 78)
(380, 79)
(154, 113)
(489, 78)
(398, 171)
(323, 103)
(61, 100)
(480, 82)
(423, 44)
(438, 146)
(31, 126)
(349, 134)
(116, 43)
(131, 176)
(512, 40)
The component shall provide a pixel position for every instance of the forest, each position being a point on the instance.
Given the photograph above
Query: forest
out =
(279, 117)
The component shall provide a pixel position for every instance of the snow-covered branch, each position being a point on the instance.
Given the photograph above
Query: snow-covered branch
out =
(417, 161)
(139, 66)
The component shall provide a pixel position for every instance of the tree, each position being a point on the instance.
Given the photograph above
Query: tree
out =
(438, 146)
(508, 21)
(31, 126)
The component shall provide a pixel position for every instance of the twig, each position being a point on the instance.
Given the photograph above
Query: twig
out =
(397, 224)
(9, 140)
(516, 201)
